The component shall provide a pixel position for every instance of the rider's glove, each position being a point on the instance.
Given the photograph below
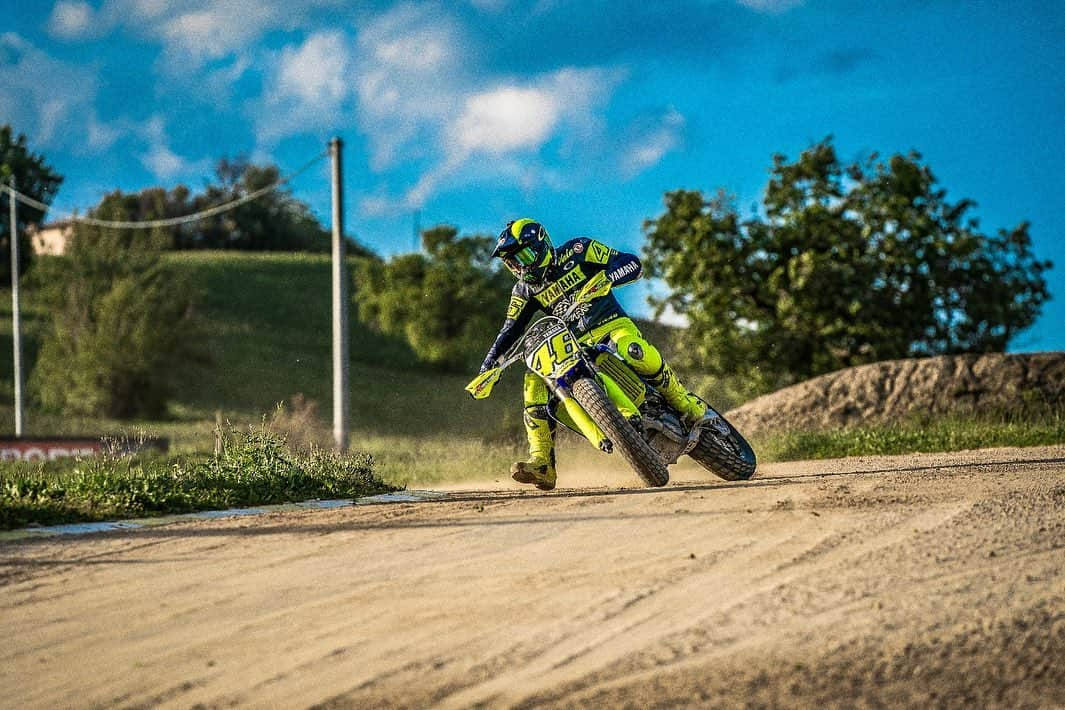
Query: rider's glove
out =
(488, 364)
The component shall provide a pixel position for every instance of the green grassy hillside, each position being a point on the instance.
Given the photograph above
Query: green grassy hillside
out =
(267, 335)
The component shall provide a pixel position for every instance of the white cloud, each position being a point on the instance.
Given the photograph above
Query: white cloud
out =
(160, 159)
(410, 81)
(54, 104)
(70, 19)
(669, 316)
(378, 205)
(307, 89)
(771, 7)
(517, 117)
(217, 85)
(192, 32)
(410, 76)
(146, 10)
(489, 5)
(418, 53)
(399, 78)
(101, 135)
(652, 143)
(51, 112)
(523, 116)
(43, 97)
(315, 72)
(509, 122)
(163, 162)
(506, 119)
(215, 30)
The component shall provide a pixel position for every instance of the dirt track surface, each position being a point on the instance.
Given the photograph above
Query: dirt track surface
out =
(921, 580)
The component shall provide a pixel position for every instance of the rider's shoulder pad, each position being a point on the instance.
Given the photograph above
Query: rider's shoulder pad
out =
(597, 253)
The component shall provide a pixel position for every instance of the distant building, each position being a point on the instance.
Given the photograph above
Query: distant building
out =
(51, 239)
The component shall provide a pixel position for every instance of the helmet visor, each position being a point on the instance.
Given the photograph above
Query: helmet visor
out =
(526, 257)
(520, 259)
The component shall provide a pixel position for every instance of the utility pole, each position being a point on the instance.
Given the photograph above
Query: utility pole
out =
(16, 321)
(340, 305)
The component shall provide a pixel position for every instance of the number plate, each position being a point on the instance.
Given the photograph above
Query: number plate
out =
(556, 353)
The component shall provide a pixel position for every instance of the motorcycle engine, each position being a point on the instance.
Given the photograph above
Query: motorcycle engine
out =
(664, 432)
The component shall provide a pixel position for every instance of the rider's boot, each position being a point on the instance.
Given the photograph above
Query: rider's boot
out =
(540, 468)
(689, 405)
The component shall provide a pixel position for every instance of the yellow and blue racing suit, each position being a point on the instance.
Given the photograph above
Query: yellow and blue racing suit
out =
(576, 261)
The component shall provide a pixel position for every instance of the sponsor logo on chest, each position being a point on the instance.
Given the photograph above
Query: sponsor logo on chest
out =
(570, 280)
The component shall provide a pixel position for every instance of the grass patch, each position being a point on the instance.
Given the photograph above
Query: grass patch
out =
(424, 461)
(254, 468)
(952, 433)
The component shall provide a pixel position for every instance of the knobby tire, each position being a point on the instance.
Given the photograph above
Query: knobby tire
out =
(643, 459)
(730, 458)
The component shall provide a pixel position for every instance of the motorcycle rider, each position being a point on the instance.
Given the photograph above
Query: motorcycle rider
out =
(546, 281)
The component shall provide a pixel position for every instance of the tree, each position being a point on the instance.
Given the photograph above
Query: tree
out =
(847, 265)
(274, 221)
(446, 303)
(122, 323)
(34, 178)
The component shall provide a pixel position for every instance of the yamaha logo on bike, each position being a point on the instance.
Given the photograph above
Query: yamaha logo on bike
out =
(578, 248)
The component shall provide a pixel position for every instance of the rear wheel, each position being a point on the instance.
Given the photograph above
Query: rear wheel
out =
(643, 459)
(725, 454)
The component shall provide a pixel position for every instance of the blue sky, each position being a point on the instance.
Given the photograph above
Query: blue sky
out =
(581, 114)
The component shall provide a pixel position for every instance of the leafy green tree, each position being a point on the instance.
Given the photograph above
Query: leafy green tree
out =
(845, 265)
(122, 323)
(446, 302)
(274, 221)
(33, 177)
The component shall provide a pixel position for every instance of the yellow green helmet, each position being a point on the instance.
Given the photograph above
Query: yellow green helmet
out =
(526, 250)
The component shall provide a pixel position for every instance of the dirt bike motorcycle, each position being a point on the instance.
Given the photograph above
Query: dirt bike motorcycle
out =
(596, 394)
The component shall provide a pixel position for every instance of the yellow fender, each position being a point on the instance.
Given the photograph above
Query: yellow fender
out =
(481, 386)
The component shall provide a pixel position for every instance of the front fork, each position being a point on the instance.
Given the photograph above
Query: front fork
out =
(579, 420)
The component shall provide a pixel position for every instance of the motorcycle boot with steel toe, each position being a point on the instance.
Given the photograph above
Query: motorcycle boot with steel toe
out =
(539, 470)
(689, 405)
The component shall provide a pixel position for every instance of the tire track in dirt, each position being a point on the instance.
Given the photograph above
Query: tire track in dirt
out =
(727, 627)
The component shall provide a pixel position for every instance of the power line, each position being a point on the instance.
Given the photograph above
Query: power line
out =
(171, 221)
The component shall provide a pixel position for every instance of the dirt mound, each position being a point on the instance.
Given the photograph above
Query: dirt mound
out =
(896, 388)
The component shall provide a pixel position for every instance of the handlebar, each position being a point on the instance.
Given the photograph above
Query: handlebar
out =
(596, 287)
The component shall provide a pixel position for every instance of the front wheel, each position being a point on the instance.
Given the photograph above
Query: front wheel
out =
(725, 453)
(636, 451)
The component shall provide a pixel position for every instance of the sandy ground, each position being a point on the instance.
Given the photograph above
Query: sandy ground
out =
(933, 580)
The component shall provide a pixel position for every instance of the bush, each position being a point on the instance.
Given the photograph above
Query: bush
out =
(122, 326)
(447, 303)
(253, 468)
